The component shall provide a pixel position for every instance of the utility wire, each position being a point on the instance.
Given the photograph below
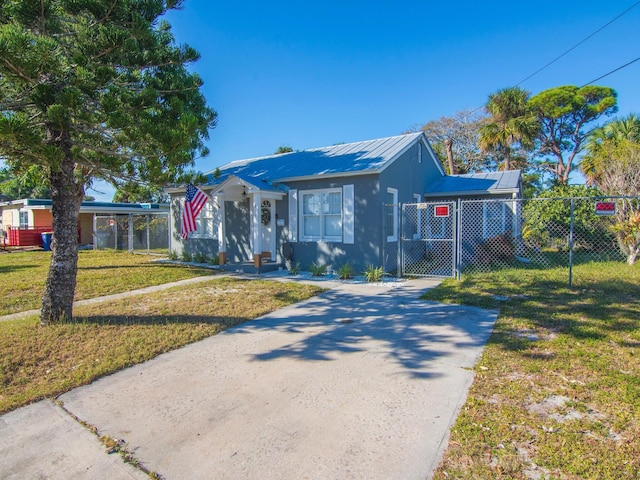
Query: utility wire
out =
(612, 71)
(580, 43)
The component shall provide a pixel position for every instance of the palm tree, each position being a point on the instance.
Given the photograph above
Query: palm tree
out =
(510, 124)
(612, 133)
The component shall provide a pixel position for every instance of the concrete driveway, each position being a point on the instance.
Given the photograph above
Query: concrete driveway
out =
(360, 382)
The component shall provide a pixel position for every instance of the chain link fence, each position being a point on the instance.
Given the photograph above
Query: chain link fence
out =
(447, 239)
(135, 233)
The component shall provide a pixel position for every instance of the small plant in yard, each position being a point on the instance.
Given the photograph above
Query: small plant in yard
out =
(373, 274)
(186, 256)
(318, 269)
(215, 260)
(295, 268)
(173, 256)
(346, 271)
(200, 257)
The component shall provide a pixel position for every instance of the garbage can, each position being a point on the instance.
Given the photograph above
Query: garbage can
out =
(46, 241)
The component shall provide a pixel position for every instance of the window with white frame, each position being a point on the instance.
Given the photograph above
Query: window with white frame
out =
(205, 222)
(24, 219)
(321, 215)
(494, 219)
(391, 212)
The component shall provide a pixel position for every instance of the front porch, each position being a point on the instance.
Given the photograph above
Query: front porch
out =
(247, 225)
(251, 268)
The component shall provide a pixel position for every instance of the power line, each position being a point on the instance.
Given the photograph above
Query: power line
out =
(612, 71)
(580, 43)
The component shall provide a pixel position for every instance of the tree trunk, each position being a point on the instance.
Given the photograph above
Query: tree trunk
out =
(448, 145)
(507, 158)
(66, 194)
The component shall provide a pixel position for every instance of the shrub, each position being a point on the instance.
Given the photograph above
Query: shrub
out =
(200, 257)
(498, 249)
(346, 271)
(318, 270)
(215, 260)
(295, 268)
(373, 274)
(186, 256)
(173, 256)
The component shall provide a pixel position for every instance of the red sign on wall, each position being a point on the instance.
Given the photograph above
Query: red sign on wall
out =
(605, 208)
(440, 211)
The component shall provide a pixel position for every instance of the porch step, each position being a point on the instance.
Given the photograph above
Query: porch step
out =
(249, 267)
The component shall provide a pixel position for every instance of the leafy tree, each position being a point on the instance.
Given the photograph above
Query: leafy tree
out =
(283, 149)
(29, 182)
(95, 89)
(131, 192)
(510, 125)
(548, 218)
(602, 139)
(563, 114)
(455, 142)
(617, 173)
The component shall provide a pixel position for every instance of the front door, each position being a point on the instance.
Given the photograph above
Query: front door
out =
(267, 222)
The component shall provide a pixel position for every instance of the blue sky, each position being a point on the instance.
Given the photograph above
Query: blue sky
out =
(308, 75)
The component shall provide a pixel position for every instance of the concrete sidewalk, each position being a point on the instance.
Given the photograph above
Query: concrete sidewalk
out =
(362, 381)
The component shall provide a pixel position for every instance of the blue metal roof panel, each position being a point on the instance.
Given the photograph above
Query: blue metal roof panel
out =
(489, 182)
(368, 156)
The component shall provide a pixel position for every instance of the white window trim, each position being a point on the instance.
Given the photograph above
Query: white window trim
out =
(206, 214)
(301, 216)
(21, 215)
(486, 232)
(437, 227)
(394, 192)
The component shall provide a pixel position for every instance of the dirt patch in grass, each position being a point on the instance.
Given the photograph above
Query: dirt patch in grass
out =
(557, 390)
(38, 362)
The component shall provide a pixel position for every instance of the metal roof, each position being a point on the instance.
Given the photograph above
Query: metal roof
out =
(476, 184)
(91, 206)
(370, 156)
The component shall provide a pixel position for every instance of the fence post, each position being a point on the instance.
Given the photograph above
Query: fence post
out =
(458, 239)
(399, 214)
(130, 234)
(571, 244)
(148, 236)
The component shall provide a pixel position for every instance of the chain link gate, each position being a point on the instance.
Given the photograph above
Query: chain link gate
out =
(428, 239)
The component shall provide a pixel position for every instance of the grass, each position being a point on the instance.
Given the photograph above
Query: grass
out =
(100, 273)
(38, 362)
(557, 389)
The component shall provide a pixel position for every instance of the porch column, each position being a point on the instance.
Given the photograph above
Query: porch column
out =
(256, 231)
(222, 231)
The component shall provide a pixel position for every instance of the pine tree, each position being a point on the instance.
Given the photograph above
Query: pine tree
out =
(94, 89)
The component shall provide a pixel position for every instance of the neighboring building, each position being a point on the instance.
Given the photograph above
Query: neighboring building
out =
(328, 205)
(23, 221)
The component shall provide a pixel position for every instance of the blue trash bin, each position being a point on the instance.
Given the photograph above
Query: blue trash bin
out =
(46, 241)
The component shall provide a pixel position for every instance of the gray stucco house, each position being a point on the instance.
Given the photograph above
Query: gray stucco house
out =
(328, 205)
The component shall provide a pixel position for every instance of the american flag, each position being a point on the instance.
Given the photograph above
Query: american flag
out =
(193, 203)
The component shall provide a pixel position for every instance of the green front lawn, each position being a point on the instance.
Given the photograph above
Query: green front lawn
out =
(557, 390)
(100, 272)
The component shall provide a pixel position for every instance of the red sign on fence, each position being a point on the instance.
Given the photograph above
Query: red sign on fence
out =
(605, 208)
(440, 211)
